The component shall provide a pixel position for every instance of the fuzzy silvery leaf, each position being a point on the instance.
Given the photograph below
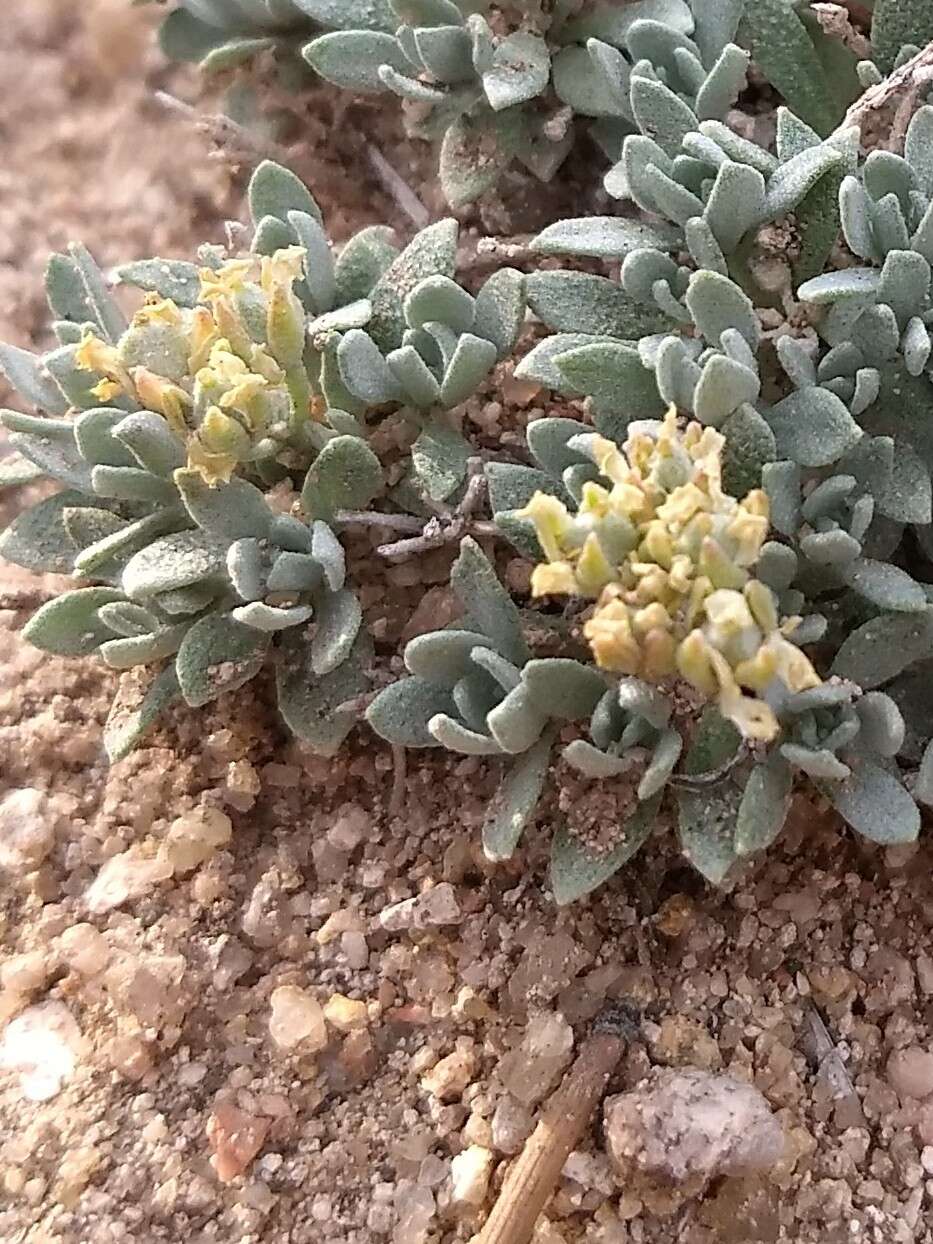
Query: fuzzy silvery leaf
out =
(502, 671)
(908, 497)
(94, 436)
(58, 458)
(489, 608)
(724, 84)
(68, 626)
(88, 528)
(663, 762)
(341, 319)
(410, 88)
(233, 53)
(676, 371)
(184, 37)
(764, 806)
(885, 585)
(882, 725)
(818, 763)
(886, 173)
(660, 114)
(346, 475)
(443, 657)
(107, 311)
(432, 252)
(612, 374)
(540, 364)
(723, 387)
(16, 470)
(75, 382)
(276, 191)
(338, 619)
(66, 291)
(750, 446)
(127, 724)
(111, 552)
(420, 385)
(472, 361)
(884, 647)
(576, 871)
(429, 12)
(717, 304)
(707, 824)
(736, 203)
(793, 181)
(896, 23)
(511, 486)
(916, 346)
(37, 538)
(350, 14)
(785, 54)
(351, 59)
(364, 370)
(877, 806)
(593, 80)
(290, 572)
(125, 653)
(174, 561)
(702, 244)
(319, 275)
(833, 548)
(218, 655)
(904, 284)
(515, 800)
(440, 456)
(673, 199)
(152, 444)
(812, 427)
(613, 22)
(441, 299)
(548, 440)
(562, 688)
(312, 707)
(918, 148)
(855, 209)
(515, 723)
(29, 376)
(593, 763)
(475, 151)
(643, 269)
(362, 262)
(520, 69)
(271, 618)
(128, 620)
(580, 302)
(456, 737)
(604, 237)
(169, 278)
(132, 484)
(629, 178)
(499, 310)
(446, 52)
(328, 552)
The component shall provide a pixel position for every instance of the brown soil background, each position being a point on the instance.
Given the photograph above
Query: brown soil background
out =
(176, 1025)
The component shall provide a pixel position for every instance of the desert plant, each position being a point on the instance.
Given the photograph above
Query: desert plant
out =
(205, 458)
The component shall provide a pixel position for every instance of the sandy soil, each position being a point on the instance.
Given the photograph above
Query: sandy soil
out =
(813, 978)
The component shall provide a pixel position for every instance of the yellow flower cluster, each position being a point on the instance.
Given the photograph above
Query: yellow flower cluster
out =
(228, 397)
(667, 556)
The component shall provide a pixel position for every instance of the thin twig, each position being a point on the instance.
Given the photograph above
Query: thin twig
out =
(531, 1181)
(447, 526)
(701, 781)
(399, 777)
(365, 518)
(235, 143)
(397, 187)
(909, 80)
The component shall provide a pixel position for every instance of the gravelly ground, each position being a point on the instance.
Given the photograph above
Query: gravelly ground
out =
(164, 999)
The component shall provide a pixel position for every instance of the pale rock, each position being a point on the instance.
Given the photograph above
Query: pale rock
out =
(415, 1209)
(924, 966)
(193, 838)
(589, 1170)
(531, 1070)
(691, 1125)
(84, 949)
(469, 1177)
(511, 1124)
(448, 1078)
(297, 1018)
(27, 829)
(345, 1014)
(129, 875)
(343, 920)
(910, 1072)
(24, 974)
(235, 1137)
(351, 828)
(437, 906)
(44, 1044)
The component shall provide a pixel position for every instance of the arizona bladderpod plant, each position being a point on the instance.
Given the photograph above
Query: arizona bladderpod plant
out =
(221, 34)
(204, 468)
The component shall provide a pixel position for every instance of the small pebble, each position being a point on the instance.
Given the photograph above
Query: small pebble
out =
(297, 1019)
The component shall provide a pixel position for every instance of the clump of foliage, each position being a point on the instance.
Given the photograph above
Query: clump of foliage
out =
(732, 593)
(208, 447)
